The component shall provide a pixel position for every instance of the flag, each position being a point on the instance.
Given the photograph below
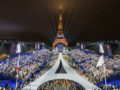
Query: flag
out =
(100, 61)
(101, 49)
(12, 49)
(109, 50)
(18, 50)
(38, 46)
(82, 47)
(18, 65)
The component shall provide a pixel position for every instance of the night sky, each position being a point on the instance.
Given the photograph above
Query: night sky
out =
(37, 20)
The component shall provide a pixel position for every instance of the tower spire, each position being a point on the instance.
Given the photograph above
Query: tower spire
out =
(60, 26)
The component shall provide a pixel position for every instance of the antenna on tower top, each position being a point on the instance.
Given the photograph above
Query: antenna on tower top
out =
(60, 6)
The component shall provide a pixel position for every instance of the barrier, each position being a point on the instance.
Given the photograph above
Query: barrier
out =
(8, 80)
(82, 61)
(111, 80)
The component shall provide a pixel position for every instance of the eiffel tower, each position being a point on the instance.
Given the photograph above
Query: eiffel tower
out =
(60, 38)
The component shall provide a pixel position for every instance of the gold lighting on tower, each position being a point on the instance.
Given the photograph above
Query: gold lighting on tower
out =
(60, 38)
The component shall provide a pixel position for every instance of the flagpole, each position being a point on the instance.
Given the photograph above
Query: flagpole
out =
(18, 51)
(17, 73)
(105, 75)
(101, 49)
(16, 79)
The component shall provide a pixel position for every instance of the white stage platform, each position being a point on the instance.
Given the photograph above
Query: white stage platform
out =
(70, 75)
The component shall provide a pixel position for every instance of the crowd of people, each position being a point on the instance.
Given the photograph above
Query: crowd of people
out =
(60, 84)
(28, 63)
(81, 55)
(94, 74)
(50, 62)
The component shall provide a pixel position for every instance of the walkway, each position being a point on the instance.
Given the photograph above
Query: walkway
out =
(69, 74)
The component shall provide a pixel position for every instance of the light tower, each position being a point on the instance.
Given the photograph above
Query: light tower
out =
(60, 38)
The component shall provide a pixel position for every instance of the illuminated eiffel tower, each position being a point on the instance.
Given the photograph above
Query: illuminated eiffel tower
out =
(60, 38)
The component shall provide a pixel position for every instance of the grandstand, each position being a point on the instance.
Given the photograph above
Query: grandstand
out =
(39, 68)
(42, 67)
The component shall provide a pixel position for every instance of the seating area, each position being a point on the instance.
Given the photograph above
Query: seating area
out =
(33, 62)
(21, 69)
(86, 66)
(29, 64)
